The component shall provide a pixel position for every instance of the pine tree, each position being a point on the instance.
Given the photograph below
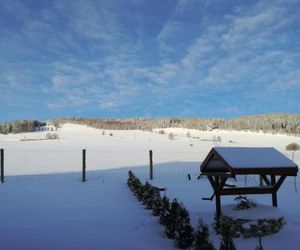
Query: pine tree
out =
(226, 238)
(184, 230)
(165, 211)
(201, 235)
(130, 180)
(139, 190)
(157, 204)
(148, 196)
(172, 220)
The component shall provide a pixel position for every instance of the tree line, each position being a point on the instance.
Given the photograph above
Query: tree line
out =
(20, 126)
(268, 123)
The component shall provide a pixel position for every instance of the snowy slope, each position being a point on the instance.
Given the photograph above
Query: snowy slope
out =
(56, 211)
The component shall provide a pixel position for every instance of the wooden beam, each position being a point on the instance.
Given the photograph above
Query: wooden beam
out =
(279, 182)
(266, 179)
(227, 174)
(247, 190)
(212, 182)
(289, 171)
(222, 183)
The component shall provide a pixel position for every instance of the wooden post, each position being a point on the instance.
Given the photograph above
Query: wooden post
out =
(151, 164)
(274, 193)
(83, 164)
(218, 198)
(2, 165)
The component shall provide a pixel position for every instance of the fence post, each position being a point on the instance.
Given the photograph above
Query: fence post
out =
(2, 165)
(83, 164)
(151, 164)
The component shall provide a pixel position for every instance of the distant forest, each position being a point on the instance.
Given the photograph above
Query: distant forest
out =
(20, 126)
(267, 123)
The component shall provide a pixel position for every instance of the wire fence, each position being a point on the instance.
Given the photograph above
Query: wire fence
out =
(104, 165)
(62, 164)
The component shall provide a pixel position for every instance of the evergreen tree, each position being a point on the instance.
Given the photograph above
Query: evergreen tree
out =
(148, 196)
(157, 204)
(184, 230)
(173, 220)
(165, 211)
(226, 238)
(130, 180)
(139, 190)
(201, 235)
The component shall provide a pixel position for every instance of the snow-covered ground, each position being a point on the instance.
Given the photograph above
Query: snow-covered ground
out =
(45, 206)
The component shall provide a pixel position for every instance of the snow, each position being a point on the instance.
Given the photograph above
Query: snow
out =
(245, 157)
(255, 213)
(45, 206)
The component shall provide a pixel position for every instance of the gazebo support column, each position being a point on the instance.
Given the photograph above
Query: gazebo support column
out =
(218, 197)
(274, 193)
(218, 206)
(217, 186)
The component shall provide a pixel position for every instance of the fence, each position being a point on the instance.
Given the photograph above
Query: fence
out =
(85, 164)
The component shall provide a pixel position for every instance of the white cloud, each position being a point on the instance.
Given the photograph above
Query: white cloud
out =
(92, 19)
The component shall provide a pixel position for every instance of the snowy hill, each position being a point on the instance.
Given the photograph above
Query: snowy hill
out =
(45, 206)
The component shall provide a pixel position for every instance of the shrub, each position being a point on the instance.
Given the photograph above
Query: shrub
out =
(111, 134)
(184, 232)
(165, 211)
(171, 136)
(157, 204)
(52, 136)
(161, 132)
(135, 185)
(178, 225)
(148, 196)
(226, 238)
(244, 203)
(201, 235)
(293, 147)
(173, 220)
(188, 135)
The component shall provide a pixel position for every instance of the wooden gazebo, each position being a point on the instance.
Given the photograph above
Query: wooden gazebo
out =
(222, 163)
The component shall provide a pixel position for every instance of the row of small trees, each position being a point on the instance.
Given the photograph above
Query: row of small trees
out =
(175, 217)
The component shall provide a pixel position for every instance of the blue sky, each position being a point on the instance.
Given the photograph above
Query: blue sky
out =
(140, 58)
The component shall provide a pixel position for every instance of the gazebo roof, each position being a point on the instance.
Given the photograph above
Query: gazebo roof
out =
(246, 160)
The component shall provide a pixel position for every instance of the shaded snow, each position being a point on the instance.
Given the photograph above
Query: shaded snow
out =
(255, 213)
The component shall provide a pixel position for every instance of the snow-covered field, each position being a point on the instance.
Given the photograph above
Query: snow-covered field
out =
(45, 206)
